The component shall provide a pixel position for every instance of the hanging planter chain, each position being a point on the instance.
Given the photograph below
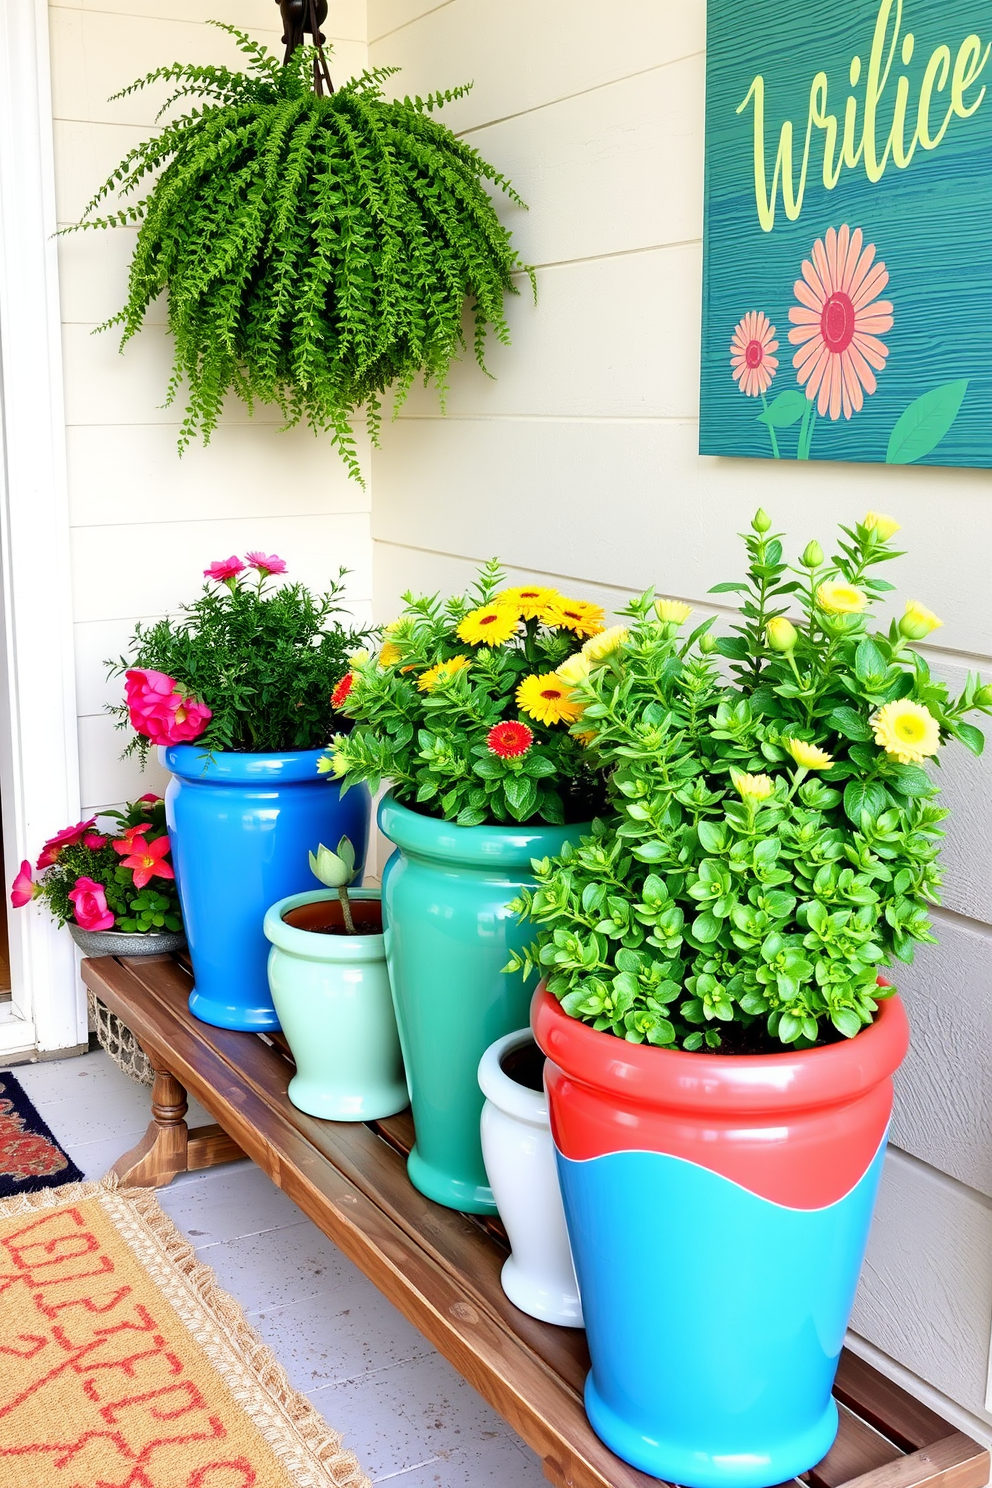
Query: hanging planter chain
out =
(298, 17)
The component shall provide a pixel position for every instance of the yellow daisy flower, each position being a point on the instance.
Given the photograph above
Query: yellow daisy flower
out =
(882, 526)
(547, 699)
(808, 756)
(672, 611)
(489, 625)
(753, 787)
(576, 668)
(427, 681)
(603, 645)
(577, 615)
(906, 730)
(529, 601)
(918, 621)
(841, 599)
(389, 653)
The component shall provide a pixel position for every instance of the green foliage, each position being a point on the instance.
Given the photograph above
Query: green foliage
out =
(739, 899)
(154, 907)
(429, 732)
(315, 250)
(264, 660)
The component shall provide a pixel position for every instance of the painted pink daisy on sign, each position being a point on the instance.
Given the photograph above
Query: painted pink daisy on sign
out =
(838, 322)
(752, 349)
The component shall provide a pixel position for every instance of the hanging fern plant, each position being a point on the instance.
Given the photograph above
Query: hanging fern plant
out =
(316, 247)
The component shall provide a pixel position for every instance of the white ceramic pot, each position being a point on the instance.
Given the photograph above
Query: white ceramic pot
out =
(538, 1276)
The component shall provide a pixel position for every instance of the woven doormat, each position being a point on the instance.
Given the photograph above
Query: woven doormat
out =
(30, 1157)
(122, 1363)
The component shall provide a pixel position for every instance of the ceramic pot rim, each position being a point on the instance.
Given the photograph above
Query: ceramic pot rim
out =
(720, 1083)
(192, 763)
(510, 846)
(310, 945)
(506, 1094)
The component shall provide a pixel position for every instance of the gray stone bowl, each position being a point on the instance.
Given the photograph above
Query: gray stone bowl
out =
(120, 943)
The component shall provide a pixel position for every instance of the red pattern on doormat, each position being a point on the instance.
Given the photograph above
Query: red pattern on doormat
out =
(26, 1154)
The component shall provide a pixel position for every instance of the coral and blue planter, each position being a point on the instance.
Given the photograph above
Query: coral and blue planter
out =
(448, 936)
(718, 1210)
(240, 828)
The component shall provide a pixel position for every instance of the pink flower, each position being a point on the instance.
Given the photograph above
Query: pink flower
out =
(838, 322)
(145, 860)
(68, 837)
(158, 709)
(751, 348)
(151, 798)
(24, 888)
(95, 840)
(266, 565)
(125, 842)
(224, 570)
(90, 905)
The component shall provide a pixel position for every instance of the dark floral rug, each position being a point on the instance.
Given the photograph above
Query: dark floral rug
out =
(30, 1157)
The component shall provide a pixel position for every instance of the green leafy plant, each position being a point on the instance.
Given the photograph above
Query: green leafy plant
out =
(249, 667)
(336, 870)
(439, 708)
(103, 880)
(775, 837)
(315, 249)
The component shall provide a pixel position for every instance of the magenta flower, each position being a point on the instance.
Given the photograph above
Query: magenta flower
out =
(90, 905)
(151, 798)
(24, 887)
(224, 570)
(158, 709)
(68, 837)
(145, 860)
(266, 564)
(95, 840)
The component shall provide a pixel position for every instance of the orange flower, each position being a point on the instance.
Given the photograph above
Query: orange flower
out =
(751, 348)
(838, 322)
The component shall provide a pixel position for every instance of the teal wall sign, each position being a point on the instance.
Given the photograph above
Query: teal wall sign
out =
(847, 301)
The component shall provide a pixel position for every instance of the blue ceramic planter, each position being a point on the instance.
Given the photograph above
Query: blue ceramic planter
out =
(241, 826)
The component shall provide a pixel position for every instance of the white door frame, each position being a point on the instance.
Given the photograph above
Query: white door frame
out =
(39, 769)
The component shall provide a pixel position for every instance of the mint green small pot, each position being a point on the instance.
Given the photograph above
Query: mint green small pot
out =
(448, 935)
(331, 992)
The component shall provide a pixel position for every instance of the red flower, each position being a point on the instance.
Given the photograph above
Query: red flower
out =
(145, 861)
(95, 840)
(90, 905)
(265, 564)
(24, 887)
(342, 690)
(68, 837)
(151, 798)
(125, 842)
(224, 570)
(510, 739)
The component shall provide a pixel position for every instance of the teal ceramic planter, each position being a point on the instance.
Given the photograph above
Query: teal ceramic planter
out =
(331, 993)
(448, 936)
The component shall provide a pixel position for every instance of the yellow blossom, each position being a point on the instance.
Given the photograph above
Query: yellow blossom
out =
(585, 738)
(427, 681)
(577, 667)
(529, 601)
(389, 653)
(808, 756)
(753, 787)
(918, 621)
(489, 625)
(598, 647)
(577, 615)
(672, 611)
(548, 699)
(906, 730)
(882, 526)
(358, 658)
(841, 599)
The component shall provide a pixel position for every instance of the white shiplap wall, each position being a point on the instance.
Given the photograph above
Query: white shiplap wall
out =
(578, 464)
(145, 522)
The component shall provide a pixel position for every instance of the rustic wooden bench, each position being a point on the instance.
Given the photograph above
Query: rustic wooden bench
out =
(441, 1269)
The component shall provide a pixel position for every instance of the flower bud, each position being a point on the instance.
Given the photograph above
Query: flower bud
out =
(918, 621)
(761, 521)
(882, 526)
(812, 555)
(983, 697)
(781, 635)
(707, 643)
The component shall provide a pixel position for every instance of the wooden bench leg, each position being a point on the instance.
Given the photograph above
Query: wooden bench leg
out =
(168, 1146)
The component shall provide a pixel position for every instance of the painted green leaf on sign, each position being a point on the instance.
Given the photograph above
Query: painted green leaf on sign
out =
(925, 422)
(788, 408)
